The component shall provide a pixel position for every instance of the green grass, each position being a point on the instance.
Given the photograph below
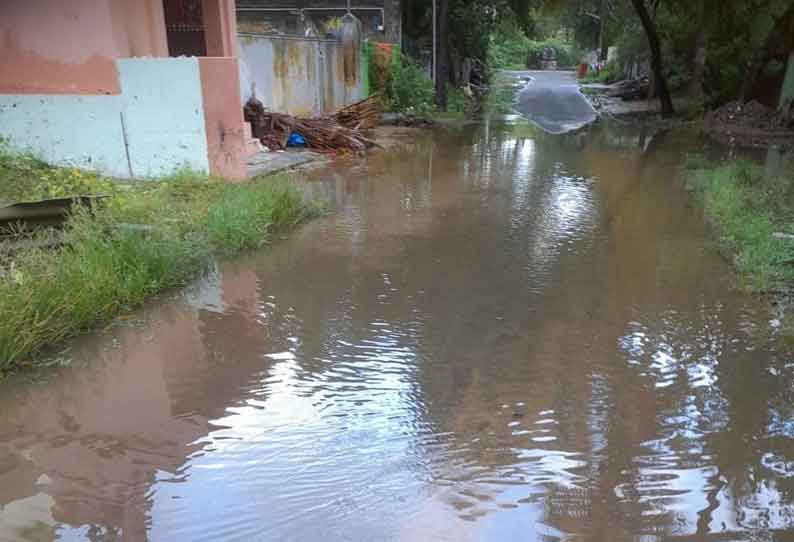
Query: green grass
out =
(748, 208)
(104, 266)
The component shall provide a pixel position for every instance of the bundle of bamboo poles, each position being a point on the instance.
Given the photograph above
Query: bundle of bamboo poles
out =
(363, 115)
(342, 131)
(327, 136)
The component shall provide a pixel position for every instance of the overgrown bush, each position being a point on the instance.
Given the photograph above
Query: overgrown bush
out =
(514, 51)
(458, 104)
(403, 85)
(509, 51)
(411, 90)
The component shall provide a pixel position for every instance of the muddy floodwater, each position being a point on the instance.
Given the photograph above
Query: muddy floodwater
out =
(495, 335)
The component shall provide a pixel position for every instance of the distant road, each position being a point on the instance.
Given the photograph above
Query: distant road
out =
(552, 101)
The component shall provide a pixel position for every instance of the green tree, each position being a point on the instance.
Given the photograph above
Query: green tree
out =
(660, 79)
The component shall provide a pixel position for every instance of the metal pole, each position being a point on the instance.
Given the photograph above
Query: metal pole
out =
(434, 41)
(602, 55)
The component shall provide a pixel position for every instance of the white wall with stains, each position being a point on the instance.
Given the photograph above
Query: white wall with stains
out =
(303, 77)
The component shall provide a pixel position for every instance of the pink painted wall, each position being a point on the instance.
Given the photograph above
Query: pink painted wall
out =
(223, 117)
(69, 47)
(220, 22)
(220, 85)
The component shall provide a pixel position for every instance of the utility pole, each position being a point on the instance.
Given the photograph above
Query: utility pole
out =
(433, 70)
(603, 14)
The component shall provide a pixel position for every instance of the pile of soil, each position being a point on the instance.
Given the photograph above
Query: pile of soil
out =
(752, 115)
(751, 123)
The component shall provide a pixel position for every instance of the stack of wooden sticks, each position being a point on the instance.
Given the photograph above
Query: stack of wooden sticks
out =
(341, 132)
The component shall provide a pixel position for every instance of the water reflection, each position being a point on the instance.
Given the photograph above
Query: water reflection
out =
(497, 335)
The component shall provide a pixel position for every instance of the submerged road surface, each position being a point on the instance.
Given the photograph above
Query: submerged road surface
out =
(552, 101)
(498, 335)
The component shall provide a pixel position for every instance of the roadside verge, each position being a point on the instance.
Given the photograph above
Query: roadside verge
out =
(144, 238)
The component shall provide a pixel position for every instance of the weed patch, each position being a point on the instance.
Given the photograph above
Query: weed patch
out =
(148, 237)
(751, 210)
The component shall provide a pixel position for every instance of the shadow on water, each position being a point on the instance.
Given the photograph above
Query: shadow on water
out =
(496, 335)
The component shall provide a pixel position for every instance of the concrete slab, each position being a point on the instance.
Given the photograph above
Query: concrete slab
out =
(269, 162)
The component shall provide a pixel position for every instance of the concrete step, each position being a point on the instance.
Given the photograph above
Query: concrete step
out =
(253, 146)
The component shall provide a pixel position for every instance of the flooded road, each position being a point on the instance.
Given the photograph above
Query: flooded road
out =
(496, 335)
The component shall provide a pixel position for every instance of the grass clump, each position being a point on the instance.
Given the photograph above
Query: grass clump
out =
(48, 295)
(243, 217)
(751, 210)
(147, 237)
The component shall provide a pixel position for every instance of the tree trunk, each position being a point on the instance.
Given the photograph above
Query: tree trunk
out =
(698, 64)
(465, 72)
(753, 71)
(442, 55)
(603, 54)
(455, 67)
(662, 89)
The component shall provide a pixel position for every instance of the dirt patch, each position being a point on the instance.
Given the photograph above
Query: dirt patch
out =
(750, 123)
(754, 115)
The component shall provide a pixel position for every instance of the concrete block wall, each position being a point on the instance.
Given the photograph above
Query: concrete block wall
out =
(171, 113)
(163, 115)
(303, 77)
(79, 131)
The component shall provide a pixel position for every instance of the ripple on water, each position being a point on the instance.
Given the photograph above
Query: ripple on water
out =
(496, 336)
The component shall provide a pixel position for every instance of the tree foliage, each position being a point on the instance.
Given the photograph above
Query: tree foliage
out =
(727, 47)
(715, 50)
(464, 30)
